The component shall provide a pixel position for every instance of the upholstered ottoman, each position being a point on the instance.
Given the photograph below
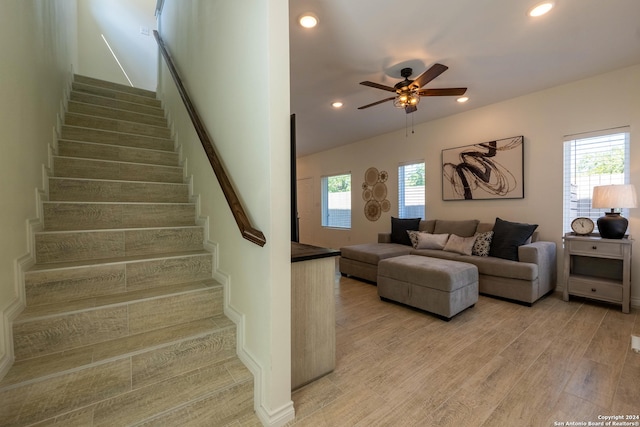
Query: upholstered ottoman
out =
(439, 286)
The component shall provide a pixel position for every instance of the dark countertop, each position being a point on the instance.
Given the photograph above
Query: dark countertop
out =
(302, 252)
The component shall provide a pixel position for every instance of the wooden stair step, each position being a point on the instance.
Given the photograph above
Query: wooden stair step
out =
(79, 78)
(75, 133)
(228, 384)
(128, 390)
(117, 95)
(82, 120)
(214, 336)
(64, 216)
(88, 98)
(53, 328)
(52, 283)
(70, 246)
(92, 150)
(75, 167)
(96, 190)
(114, 113)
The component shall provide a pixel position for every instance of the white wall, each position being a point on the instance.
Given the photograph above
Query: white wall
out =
(119, 21)
(233, 57)
(606, 101)
(38, 46)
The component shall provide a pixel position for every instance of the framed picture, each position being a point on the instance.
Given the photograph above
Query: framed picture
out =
(489, 170)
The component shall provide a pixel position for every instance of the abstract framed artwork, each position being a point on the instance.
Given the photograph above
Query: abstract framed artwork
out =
(489, 170)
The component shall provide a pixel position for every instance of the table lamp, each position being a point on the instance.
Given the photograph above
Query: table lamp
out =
(612, 225)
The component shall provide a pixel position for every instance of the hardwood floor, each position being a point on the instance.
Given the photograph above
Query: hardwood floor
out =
(496, 364)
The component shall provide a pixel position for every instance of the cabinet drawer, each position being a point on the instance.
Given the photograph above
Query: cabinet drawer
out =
(596, 248)
(594, 289)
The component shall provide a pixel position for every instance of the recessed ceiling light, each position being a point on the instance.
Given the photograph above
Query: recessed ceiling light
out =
(337, 104)
(308, 20)
(462, 99)
(541, 8)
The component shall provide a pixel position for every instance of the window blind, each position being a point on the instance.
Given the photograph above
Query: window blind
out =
(411, 190)
(592, 159)
(336, 201)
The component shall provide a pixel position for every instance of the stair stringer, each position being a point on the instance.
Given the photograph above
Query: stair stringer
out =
(12, 310)
(286, 413)
(22, 264)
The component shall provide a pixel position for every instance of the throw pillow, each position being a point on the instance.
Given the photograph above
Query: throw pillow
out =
(460, 245)
(399, 228)
(413, 237)
(464, 228)
(431, 241)
(508, 236)
(482, 244)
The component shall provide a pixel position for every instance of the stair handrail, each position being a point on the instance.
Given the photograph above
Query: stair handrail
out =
(247, 230)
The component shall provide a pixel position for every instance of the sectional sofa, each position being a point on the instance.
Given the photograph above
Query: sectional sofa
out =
(522, 271)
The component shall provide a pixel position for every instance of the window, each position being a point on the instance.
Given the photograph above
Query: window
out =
(411, 190)
(336, 201)
(599, 158)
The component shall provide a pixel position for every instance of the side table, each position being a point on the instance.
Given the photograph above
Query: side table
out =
(598, 268)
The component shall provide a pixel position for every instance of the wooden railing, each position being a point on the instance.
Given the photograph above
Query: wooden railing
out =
(246, 229)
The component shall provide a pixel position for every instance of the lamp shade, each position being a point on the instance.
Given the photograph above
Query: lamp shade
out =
(614, 196)
(612, 225)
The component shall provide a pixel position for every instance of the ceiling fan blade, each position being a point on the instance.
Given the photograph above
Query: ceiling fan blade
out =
(410, 109)
(430, 74)
(452, 91)
(376, 103)
(378, 86)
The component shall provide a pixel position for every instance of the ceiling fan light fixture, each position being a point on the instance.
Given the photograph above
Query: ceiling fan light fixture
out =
(541, 8)
(404, 100)
(337, 104)
(462, 99)
(308, 20)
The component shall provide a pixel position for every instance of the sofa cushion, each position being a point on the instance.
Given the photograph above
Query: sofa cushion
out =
(482, 244)
(460, 245)
(461, 228)
(372, 253)
(488, 266)
(483, 227)
(427, 225)
(507, 236)
(423, 240)
(443, 275)
(399, 228)
(491, 266)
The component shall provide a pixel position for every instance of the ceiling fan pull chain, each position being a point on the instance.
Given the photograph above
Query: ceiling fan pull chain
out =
(406, 126)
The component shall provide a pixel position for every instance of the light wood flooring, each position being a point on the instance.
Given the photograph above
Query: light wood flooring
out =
(496, 364)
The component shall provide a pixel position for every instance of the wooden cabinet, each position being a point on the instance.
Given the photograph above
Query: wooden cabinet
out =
(313, 320)
(598, 268)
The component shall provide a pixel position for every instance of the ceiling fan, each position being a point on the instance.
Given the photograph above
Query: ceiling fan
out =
(408, 92)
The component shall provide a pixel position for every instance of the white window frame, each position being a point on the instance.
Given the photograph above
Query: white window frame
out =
(340, 200)
(578, 190)
(403, 211)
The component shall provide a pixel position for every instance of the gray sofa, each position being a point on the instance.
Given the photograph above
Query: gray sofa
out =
(526, 280)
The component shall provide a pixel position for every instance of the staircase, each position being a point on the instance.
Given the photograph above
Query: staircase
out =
(124, 324)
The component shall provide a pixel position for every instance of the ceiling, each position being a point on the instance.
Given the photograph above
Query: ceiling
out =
(490, 46)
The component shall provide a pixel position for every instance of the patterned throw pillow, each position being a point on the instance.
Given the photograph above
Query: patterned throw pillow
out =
(482, 244)
(413, 236)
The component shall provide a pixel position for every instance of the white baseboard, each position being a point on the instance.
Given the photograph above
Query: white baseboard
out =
(9, 314)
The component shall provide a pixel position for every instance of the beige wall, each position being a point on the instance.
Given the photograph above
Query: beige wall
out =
(234, 60)
(120, 22)
(602, 102)
(38, 46)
